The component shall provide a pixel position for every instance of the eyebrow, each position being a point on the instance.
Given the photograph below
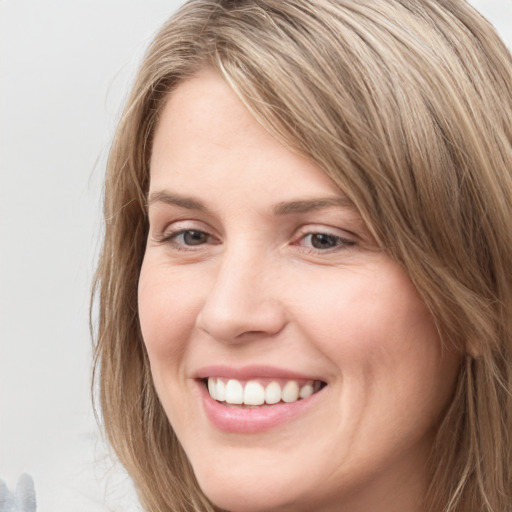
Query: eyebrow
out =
(308, 205)
(173, 199)
(282, 208)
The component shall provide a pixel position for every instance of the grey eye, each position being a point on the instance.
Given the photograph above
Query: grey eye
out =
(324, 240)
(192, 237)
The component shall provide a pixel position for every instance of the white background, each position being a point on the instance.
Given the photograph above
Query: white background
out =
(65, 68)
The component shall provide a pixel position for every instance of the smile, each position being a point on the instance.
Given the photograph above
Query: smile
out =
(254, 398)
(260, 392)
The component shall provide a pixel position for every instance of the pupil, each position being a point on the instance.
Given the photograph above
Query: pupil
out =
(323, 241)
(194, 237)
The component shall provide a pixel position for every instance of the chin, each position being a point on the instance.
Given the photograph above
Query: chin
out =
(254, 495)
(238, 500)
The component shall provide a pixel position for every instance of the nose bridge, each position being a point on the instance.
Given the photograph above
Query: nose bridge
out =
(242, 298)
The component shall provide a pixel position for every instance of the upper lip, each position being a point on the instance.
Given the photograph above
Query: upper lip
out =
(252, 372)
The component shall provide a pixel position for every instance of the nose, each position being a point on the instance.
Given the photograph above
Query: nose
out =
(243, 301)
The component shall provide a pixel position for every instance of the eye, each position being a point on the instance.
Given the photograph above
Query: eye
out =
(189, 237)
(324, 241)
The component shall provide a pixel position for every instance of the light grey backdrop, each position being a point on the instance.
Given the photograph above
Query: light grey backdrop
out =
(65, 67)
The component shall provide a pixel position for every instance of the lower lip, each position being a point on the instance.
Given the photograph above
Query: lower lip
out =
(249, 420)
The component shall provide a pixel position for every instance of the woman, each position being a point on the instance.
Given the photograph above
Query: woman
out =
(305, 287)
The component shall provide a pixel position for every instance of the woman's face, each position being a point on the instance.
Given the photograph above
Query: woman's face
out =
(260, 276)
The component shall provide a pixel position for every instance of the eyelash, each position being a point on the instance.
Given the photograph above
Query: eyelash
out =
(339, 243)
(172, 237)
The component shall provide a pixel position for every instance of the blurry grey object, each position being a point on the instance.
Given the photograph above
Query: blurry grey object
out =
(22, 500)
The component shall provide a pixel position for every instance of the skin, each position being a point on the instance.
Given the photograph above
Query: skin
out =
(258, 289)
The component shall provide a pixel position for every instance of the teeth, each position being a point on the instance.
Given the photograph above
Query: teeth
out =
(304, 392)
(290, 392)
(273, 393)
(234, 392)
(254, 393)
(212, 388)
(221, 390)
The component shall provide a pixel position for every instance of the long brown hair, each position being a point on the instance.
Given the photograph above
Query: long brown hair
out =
(407, 105)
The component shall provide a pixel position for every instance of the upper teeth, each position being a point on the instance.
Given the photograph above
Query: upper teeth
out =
(253, 392)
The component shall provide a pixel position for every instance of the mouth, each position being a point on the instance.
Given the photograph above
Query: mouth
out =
(258, 393)
(254, 399)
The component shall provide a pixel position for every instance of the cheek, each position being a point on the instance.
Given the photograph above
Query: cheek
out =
(362, 311)
(395, 379)
(168, 307)
(380, 334)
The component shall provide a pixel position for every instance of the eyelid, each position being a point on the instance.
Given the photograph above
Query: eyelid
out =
(346, 238)
(311, 229)
(185, 224)
(173, 229)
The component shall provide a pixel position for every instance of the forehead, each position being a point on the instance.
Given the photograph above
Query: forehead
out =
(197, 110)
(206, 135)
